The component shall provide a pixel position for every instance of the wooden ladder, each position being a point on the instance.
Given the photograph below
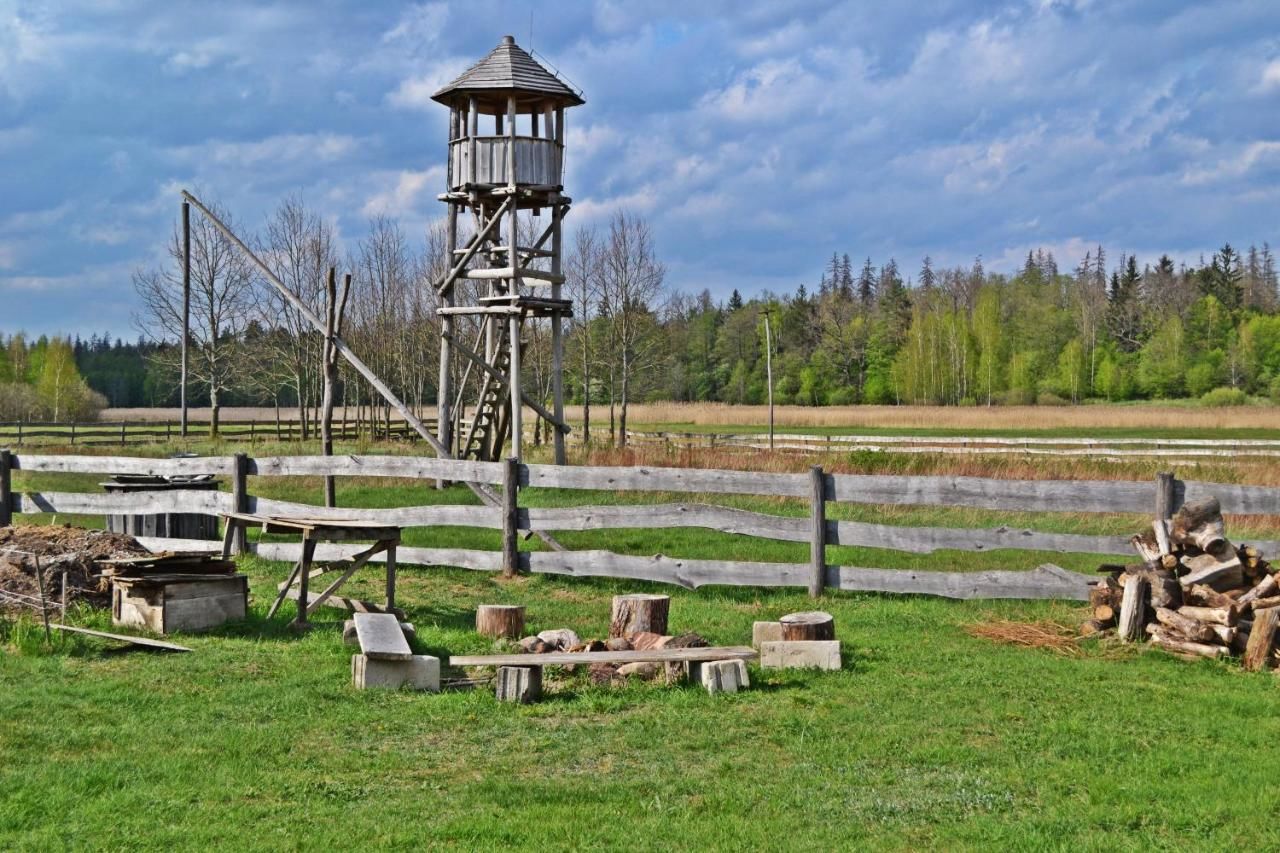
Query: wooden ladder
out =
(488, 428)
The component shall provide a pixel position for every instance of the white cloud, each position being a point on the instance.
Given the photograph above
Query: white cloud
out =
(282, 149)
(8, 256)
(404, 193)
(1270, 80)
(1234, 166)
(419, 26)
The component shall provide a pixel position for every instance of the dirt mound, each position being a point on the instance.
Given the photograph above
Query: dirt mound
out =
(59, 549)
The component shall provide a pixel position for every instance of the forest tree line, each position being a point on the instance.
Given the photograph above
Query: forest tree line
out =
(1117, 330)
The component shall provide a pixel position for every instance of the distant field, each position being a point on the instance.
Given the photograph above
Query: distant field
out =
(1166, 419)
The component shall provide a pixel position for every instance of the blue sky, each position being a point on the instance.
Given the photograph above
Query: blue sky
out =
(757, 136)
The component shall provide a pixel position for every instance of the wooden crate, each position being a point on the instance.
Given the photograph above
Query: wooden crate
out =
(165, 605)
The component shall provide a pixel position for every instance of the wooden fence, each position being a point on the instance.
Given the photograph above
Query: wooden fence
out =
(1173, 450)
(1114, 449)
(125, 433)
(1159, 498)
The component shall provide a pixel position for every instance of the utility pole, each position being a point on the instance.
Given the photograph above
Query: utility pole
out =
(186, 305)
(768, 369)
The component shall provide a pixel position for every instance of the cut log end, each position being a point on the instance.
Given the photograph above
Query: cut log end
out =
(633, 614)
(813, 625)
(501, 621)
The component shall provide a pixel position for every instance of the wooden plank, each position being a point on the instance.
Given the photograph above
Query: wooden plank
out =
(410, 467)
(640, 478)
(124, 638)
(381, 637)
(926, 540)
(570, 658)
(723, 519)
(689, 574)
(125, 503)
(1235, 499)
(987, 493)
(1045, 582)
(126, 465)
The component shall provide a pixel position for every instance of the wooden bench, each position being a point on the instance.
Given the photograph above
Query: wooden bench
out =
(520, 675)
(381, 637)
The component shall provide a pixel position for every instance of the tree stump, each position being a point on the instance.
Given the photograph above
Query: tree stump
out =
(1133, 608)
(814, 625)
(500, 620)
(519, 684)
(633, 614)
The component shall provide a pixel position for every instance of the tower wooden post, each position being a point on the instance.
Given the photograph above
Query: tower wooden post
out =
(492, 180)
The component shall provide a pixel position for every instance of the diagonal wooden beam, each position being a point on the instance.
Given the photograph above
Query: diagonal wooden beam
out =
(502, 377)
(474, 246)
(358, 560)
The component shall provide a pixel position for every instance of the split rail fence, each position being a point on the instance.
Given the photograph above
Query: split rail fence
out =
(124, 433)
(1174, 450)
(1114, 449)
(1158, 498)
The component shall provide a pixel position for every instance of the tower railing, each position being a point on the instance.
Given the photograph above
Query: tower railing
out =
(538, 161)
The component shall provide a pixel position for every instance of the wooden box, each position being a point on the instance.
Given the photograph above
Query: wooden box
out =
(165, 605)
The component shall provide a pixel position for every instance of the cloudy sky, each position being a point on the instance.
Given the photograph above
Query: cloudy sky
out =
(758, 136)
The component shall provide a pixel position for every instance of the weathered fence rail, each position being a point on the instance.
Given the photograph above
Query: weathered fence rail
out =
(1104, 448)
(126, 433)
(1161, 496)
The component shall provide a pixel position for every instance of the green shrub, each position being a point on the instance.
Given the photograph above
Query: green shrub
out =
(1047, 398)
(1224, 397)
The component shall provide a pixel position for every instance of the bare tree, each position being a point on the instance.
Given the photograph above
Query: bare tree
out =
(222, 303)
(299, 247)
(631, 281)
(582, 280)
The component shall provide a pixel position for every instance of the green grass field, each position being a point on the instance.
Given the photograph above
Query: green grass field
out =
(929, 737)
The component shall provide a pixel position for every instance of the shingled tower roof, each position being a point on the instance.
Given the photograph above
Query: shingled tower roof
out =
(508, 67)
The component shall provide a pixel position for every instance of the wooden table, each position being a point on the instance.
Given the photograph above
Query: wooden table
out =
(385, 538)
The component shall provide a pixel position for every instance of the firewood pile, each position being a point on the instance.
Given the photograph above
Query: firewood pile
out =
(638, 623)
(1194, 594)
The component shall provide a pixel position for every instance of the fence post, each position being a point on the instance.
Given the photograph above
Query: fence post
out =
(1164, 495)
(510, 493)
(240, 499)
(817, 532)
(123, 424)
(73, 432)
(168, 431)
(6, 488)
(19, 433)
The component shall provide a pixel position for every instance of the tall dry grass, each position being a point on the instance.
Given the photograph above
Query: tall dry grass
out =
(643, 415)
(1165, 416)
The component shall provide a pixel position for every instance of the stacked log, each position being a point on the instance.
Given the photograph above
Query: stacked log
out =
(1194, 593)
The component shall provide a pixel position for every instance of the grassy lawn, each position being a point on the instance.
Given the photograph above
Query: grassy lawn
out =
(928, 737)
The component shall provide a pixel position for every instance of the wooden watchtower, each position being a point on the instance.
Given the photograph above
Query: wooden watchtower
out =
(506, 155)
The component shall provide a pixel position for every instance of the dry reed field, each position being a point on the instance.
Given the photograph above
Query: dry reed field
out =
(1153, 417)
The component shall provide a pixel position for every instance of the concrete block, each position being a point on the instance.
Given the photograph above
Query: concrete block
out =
(518, 684)
(421, 672)
(765, 632)
(350, 637)
(720, 676)
(800, 654)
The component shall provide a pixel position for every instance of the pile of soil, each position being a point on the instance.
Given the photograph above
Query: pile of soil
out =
(60, 549)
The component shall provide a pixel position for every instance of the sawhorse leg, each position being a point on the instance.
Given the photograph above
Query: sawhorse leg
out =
(228, 537)
(391, 575)
(304, 572)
